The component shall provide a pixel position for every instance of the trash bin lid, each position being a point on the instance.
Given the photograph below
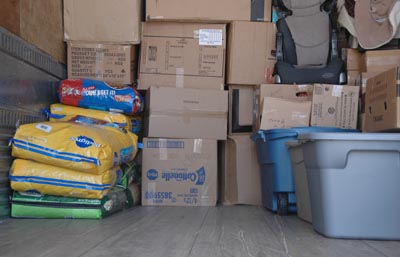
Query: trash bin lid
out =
(351, 136)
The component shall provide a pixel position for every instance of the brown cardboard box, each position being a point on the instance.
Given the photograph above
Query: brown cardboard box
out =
(289, 92)
(353, 78)
(184, 55)
(110, 63)
(382, 60)
(250, 58)
(335, 106)
(179, 172)
(209, 10)
(102, 21)
(240, 109)
(382, 102)
(186, 113)
(240, 172)
(284, 113)
(39, 22)
(354, 59)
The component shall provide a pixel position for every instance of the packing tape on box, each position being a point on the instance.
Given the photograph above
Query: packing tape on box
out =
(381, 60)
(197, 145)
(179, 81)
(163, 150)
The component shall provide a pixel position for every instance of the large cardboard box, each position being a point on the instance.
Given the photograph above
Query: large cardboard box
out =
(179, 172)
(183, 55)
(302, 93)
(284, 113)
(102, 21)
(381, 60)
(240, 172)
(186, 113)
(240, 109)
(382, 102)
(250, 58)
(111, 63)
(335, 106)
(208, 10)
(354, 60)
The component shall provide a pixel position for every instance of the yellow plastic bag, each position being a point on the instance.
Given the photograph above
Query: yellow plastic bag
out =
(28, 175)
(61, 112)
(87, 148)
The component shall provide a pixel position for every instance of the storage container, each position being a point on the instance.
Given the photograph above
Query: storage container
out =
(278, 190)
(354, 182)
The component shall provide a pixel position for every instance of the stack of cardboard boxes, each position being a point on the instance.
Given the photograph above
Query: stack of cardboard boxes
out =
(376, 73)
(102, 38)
(183, 62)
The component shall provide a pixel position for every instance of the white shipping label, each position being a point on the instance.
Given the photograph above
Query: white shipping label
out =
(337, 90)
(210, 37)
(44, 127)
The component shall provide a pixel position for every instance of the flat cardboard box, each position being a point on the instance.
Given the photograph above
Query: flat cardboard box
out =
(186, 113)
(240, 172)
(179, 172)
(108, 62)
(354, 59)
(208, 10)
(382, 102)
(240, 109)
(250, 55)
(382, 60)
(283, 91)
(183, 55)
(335, 106)
(102, 21)
(284, 113)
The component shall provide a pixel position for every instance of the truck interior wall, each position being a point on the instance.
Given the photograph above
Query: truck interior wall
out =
(39, 22)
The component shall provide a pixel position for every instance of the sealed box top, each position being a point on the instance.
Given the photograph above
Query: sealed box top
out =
(102, 21)
(209, 10)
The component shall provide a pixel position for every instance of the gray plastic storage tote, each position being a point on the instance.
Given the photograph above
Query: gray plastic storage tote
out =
(354, 183)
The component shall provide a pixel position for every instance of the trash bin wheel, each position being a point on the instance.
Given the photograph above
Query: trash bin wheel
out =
(283, 204)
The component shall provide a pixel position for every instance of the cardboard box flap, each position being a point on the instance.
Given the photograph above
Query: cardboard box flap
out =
(289, 92)
(382, 101)
(284, 113)
(164, 99)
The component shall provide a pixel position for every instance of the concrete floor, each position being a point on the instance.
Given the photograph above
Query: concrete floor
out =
(235, 231)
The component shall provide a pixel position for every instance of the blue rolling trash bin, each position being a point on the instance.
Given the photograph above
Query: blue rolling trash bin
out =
(277, 181)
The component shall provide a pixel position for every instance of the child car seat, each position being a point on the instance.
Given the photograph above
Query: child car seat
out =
(307, 43)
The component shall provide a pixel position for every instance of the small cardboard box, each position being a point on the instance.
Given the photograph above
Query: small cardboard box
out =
(354, 59)
(103, 21)
(179, 172)
(186, 113)
(284, 113)
(382, 102)
(107, 62)
(381, 60)
(208, 10)
(240, 172)
(301, 93)
(183, 55)
(240, 109)
(335, 106)
(250, 55)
